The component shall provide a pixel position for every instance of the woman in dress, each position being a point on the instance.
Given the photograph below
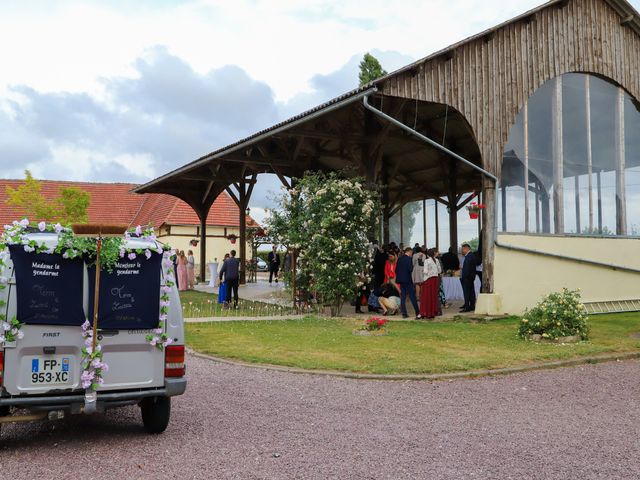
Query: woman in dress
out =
(390, 269)
(183, 282)
(418, 270)
(191, 268)
(429, 291)
(222, 289)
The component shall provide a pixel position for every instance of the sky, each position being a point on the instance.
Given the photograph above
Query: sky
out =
(118, 90)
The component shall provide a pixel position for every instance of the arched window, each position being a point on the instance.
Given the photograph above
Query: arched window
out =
(572, 161)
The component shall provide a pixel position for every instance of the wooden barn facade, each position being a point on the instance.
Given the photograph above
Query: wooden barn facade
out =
(540, 114)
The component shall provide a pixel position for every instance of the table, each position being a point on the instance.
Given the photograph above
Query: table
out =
(213, 273)
(453, 288)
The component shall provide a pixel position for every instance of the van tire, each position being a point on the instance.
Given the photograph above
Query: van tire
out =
(156, 412)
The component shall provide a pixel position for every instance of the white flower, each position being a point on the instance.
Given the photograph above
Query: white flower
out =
(57, 227)
(42, 226)
(6, 326)
(147, 253)
(20, 335)
(349, 201)
(24, 222)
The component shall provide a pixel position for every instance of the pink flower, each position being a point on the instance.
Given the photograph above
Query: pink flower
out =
(42, 226)
(122, 253)
(147, 253)
(24, 222)
(138, 230)
(131, 256)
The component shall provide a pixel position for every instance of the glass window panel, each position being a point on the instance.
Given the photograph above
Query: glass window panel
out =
(431, 223)
(412, 223)
(511, 192)
(632, 163)
(574, 136)
(443, 222)
(603, 112)
(541, 155)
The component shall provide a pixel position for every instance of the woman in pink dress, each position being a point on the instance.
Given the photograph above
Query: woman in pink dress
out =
(183, 282)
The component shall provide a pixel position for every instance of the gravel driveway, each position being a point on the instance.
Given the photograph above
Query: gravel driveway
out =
(236, 422)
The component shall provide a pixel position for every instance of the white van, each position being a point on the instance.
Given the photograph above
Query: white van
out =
(40, 372)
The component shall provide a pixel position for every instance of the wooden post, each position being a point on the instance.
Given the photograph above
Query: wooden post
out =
(503, 195)
(96, 295)
(577, 196)
(599, 187)
(526, 165)
(453, 207)
(401, 212)
(243, 232)
(621, 207)
(558, 154)
(424, 221)
(385, 213)
(435, 204)
(203, 244)
(587, 94)
(488, 233)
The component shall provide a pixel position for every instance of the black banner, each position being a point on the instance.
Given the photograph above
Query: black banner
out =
(48, 288)
(129, 295)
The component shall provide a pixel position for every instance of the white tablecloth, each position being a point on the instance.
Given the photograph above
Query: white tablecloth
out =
(453, 288)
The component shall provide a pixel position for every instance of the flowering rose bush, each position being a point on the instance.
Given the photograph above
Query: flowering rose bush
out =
(559, 314)
(374, 323)
(325, 220)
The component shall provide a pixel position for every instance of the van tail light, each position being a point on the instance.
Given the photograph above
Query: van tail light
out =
(1, 366)
(174, 361)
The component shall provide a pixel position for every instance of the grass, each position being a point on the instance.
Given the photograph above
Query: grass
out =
(201, 304)
(411, 347)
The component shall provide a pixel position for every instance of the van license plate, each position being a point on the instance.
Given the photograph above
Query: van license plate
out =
(52, 370)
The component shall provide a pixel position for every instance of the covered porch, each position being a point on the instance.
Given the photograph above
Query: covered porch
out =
(410, 150)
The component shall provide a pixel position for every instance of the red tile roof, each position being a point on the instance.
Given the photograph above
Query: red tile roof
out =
(114, 203)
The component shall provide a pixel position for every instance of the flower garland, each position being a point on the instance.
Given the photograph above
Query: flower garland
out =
(93, 365)
(9, 330)
(70, 246)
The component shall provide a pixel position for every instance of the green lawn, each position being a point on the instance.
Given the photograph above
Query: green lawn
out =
(200, 304)
(411, 347)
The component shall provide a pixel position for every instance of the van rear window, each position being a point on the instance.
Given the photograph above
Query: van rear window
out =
(48, 288)
(129, 294)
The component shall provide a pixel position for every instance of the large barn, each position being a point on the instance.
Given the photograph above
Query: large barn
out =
(539, 114)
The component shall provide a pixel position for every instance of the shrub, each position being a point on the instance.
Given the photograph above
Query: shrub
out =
(559, 314)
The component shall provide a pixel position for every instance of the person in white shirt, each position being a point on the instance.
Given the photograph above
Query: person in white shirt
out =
(429, 291)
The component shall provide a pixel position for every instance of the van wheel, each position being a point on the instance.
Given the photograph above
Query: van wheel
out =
(156, 412)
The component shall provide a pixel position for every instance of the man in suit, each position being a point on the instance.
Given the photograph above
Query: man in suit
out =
(274, 264)
(467, 277)
(404, 267)
(231, 271)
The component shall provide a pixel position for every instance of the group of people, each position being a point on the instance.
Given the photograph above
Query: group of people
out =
(185, 266)
(416, 273)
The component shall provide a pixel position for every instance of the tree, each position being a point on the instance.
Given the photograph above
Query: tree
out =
(70, 206)
(370, 69)
(325, 220)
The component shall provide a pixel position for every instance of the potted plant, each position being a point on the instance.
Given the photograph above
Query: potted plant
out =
(194, 242)
(232, 238)
(474, 209)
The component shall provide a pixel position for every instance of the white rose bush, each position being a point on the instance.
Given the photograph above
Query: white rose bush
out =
(559, 314)
(326, 219)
